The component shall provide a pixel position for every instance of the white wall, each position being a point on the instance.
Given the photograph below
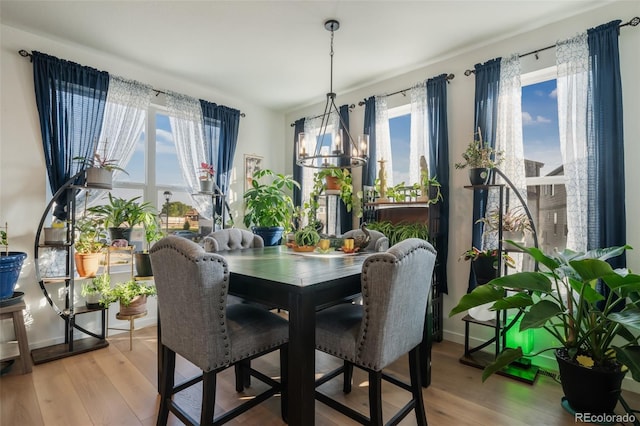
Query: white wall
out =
(460, 118)
(22, 172)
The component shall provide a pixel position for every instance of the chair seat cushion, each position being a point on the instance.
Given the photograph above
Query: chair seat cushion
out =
(337, 329)
(253, 330)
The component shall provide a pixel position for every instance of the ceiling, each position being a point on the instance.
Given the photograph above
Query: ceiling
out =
(276, 53)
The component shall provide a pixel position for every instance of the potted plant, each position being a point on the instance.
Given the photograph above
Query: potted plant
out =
(88, 245)
(10, 265)
(94, 289)
(306, 239)
(206, 177)
(269, 208)
(515, 223)
(99, 170)
(480, 157)
(132, 296)
(595, 346)
(152, 233)
(484, 263)
(121, 215)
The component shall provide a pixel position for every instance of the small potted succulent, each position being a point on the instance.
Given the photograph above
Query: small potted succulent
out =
(306, 239)
(480, 157)
(206, 177)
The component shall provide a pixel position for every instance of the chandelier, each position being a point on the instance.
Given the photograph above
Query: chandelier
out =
(332, 147)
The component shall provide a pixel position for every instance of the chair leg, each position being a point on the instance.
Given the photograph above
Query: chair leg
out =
(246, 373)
(416, 386)
(239, 377)
(166, 384)
(284, 383)
(375, 397)
(348, 377)
(208, 397)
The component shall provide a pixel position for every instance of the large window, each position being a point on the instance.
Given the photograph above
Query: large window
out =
(546, 194)
(400, 135)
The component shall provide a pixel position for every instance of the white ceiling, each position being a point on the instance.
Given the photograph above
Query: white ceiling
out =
(276, 53)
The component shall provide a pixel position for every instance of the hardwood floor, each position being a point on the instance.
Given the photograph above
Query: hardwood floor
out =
(115, 386)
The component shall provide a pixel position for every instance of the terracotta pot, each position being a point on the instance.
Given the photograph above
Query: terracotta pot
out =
(332, 183)
(304, 248)
(137, 306)
(87, 264)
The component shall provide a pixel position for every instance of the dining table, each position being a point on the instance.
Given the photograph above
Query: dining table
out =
(301, 284)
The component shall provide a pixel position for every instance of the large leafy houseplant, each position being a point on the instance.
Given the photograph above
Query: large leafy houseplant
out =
(269, 208)
(595, 331)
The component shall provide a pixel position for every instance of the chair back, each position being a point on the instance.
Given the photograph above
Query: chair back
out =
(378, 241)
(231, 239)
(396, 286)
(192, 291)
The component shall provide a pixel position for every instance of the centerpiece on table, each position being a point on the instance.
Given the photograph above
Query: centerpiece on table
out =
(596, 336)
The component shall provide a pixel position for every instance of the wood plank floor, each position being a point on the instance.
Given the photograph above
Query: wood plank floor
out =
(115, 386)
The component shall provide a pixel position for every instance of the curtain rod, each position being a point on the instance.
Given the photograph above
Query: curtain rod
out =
(449, 78)
(352, 106)
(633, 22)
(403, 91)
(26, 54)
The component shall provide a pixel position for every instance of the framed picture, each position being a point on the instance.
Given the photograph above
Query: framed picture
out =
(252, 163)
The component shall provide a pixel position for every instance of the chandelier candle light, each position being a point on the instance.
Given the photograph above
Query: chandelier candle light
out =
(346, 152)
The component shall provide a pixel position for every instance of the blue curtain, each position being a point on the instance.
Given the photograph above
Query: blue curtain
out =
(223, 121)
(369, 170)
(485, 119)
(70, 100)
(346, 218)
(298, 128)
(605, 142)
(439, 167)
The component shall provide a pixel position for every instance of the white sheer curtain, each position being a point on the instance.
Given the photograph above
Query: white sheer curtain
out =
(185, 117)
(383, 138)
(125, 114)
(509, 139)
(572, 60)
(419, 142)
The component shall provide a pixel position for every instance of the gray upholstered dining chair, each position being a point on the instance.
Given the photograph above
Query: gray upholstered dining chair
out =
(234, 239)
(231, 239)
(197, 324)
(378, 240)
(396, 286)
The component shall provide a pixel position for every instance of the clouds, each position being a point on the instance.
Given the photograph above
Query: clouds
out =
(554, 94)
(528, 120)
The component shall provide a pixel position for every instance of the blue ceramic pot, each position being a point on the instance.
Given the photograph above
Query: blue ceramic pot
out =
(10, 266)
(270, 234)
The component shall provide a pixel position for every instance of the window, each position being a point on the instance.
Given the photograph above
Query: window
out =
(543, 161)
(154, 169)
(400, 134)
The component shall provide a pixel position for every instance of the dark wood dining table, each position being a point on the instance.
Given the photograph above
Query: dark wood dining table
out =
(301, 284)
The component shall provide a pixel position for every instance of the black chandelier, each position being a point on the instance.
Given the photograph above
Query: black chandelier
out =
(332, 147)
